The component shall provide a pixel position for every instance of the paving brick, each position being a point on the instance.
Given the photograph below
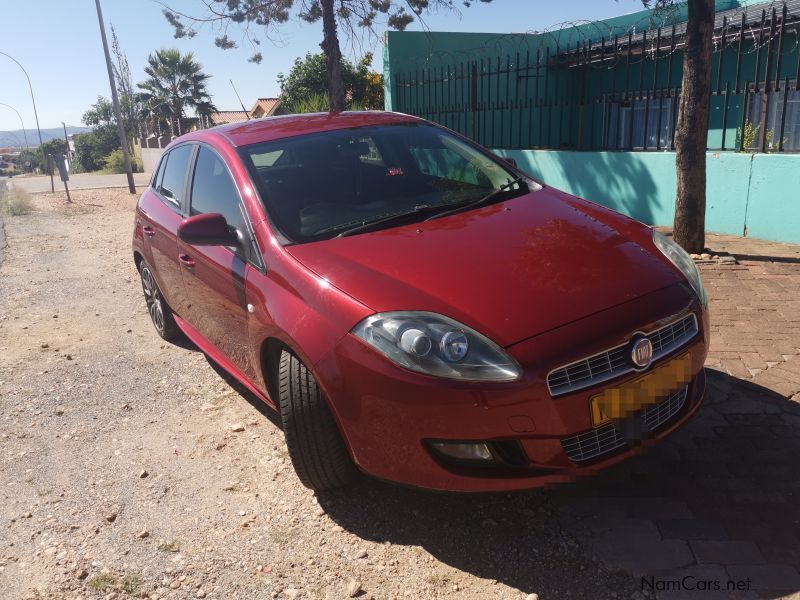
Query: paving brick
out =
(690, 529)
(767, 577)
(726, 552)
(701, 582)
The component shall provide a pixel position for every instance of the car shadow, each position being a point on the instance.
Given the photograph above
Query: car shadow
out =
(245, 393)
(717, 500)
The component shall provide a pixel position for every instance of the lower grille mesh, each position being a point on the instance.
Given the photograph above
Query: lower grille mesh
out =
(602, 440)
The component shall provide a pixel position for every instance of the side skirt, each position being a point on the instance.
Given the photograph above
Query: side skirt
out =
(209, 350)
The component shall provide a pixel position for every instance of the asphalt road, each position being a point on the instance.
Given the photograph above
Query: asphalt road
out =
(79, 181)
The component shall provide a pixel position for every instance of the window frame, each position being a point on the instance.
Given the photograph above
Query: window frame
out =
(178, 206)
(258, 262)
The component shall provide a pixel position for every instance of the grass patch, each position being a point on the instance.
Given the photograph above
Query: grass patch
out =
(280, 535)
(173, 546)
(103, 582)
(16, 202)
(131, 584)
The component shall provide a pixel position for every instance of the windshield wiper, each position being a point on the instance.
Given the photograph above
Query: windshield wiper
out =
(449, 210)
(362, 226)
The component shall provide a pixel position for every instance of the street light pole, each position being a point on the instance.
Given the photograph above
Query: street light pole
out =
(115, 99)
(35, 114)
(21, 122)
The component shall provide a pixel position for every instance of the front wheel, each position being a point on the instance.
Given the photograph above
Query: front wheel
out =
(318, 453)
(159, 310)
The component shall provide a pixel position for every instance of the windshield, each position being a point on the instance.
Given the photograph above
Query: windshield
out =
(316, 186)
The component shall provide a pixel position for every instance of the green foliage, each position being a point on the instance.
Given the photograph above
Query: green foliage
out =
(15, 202)
(751, 136)
(115, 162)
(99, 113)
(175, 82)
(103, 582)
(93, 147)
(55, 146)
(310, 104)
(307, 82)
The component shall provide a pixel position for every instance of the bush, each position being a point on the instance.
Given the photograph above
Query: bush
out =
(16, 202)
(115, 163)
(94, 146)
(315, 103)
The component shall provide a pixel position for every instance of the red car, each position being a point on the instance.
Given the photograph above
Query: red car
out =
(417, 308)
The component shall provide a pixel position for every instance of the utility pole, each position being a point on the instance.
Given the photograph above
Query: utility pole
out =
(35, 114)
(66, 147)
(123, 139)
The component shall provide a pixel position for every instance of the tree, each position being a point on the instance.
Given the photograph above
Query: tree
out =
(175, 83)
(352, 16)
(691, 132)
(308, 78)
(92, 148)
(130, 100)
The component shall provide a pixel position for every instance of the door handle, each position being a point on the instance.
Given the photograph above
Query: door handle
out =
(187, 260)
(148, 231)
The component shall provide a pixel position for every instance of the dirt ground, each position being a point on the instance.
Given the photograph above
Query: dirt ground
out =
(122, 475)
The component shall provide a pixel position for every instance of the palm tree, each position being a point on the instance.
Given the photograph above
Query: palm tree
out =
(175, 83)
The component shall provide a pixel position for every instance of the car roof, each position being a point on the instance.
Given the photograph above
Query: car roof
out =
(272, 128)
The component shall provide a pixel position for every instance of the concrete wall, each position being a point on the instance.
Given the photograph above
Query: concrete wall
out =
(748, 194)
(150, 158)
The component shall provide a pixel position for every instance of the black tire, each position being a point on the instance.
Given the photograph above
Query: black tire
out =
(160, 313)
(318, 453)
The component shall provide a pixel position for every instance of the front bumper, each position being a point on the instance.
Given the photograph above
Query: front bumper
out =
(388, 415)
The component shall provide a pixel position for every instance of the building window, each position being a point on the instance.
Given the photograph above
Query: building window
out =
(773, 117)
(626, 123)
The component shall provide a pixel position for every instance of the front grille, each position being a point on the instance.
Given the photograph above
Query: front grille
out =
(602, 440)
(614, 362)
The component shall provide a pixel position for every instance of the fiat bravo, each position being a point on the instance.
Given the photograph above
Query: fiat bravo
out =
(417, 308)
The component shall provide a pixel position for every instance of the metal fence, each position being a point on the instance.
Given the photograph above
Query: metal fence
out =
(621, 92)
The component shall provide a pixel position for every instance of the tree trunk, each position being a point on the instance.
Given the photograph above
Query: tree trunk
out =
(691, 133)
(333, 57)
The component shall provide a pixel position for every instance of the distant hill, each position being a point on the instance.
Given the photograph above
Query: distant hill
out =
(16, 139)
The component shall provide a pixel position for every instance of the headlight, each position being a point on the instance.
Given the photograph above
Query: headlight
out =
(683, 261)
(435, 345)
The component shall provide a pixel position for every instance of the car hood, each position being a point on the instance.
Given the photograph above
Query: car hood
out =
(510, 270)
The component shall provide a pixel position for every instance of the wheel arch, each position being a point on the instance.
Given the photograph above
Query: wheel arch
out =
(270, 354)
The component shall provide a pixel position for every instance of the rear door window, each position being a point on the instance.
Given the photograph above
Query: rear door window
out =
(173, 182)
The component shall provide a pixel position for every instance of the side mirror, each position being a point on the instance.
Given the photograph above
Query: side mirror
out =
(511, 161)
(207, 230)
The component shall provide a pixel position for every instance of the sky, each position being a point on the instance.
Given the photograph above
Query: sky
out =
(58, 43)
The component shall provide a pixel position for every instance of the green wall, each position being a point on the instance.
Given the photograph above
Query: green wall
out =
(428, 74)
(748, 194)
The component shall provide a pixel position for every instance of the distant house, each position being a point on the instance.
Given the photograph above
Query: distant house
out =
(264, 107)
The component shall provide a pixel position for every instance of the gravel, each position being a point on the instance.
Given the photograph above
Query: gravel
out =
(125, 472)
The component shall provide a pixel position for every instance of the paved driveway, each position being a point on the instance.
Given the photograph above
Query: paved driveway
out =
(79, 181)
(719, 500)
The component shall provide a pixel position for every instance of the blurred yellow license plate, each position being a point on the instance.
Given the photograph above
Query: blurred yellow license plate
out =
(641, 393)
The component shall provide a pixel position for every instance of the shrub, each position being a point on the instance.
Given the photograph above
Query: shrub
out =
(16, 202)
(115, 162)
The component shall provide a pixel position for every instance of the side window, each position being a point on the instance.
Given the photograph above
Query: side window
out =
(155, 181)
(175, 165)
(213, 191)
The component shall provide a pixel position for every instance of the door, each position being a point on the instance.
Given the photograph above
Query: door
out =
(214, 276)
(162, 208)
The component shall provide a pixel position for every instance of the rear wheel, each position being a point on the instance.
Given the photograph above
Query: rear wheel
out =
(159, 310)
(318, 453)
